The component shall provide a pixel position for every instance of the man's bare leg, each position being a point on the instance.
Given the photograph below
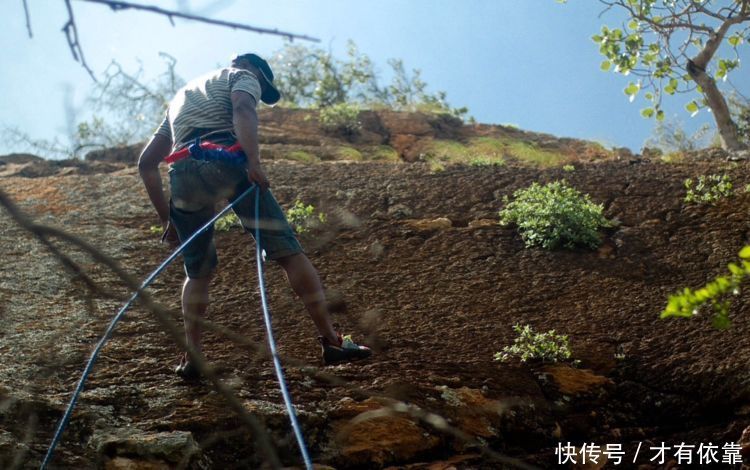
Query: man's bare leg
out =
(306, 284)
(194, 305)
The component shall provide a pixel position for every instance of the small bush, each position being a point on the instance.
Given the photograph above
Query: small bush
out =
(303, 218)
(708, 189)
(384, 153)
(348, 153)
(531, 154)
(341, 118)
(485, 161)
(226, 222)
(569, 168)
(554, 215)
(533, 346)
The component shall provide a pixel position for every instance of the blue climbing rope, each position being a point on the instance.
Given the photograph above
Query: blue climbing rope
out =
(110, 329)
(272, 344)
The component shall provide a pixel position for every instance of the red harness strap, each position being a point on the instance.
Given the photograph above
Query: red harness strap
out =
(185, 152)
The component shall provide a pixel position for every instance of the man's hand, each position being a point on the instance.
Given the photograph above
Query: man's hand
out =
(170, 235)
(255, 174)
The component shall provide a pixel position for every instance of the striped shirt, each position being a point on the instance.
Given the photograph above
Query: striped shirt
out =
(204, 105)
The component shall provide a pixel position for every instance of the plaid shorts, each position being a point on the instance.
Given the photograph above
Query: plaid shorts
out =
(197, 186)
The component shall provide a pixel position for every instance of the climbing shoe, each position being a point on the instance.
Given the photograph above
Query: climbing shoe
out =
(187, 370)
(347, 350)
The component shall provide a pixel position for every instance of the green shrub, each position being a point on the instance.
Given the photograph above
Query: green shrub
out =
(533, 346)
(348, 153)
(226, 222)
(384, 153)
(569, 168)
(529, 153)
(486, 161)
(341, 118)
(717, 293)
(708, 189)
(479, 151)
(554, 215)
(303, 218)
(156, 229)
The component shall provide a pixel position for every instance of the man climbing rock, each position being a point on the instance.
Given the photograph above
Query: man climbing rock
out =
(220, 109)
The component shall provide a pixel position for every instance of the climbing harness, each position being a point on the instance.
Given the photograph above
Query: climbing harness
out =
(209, 151)
(266, 315)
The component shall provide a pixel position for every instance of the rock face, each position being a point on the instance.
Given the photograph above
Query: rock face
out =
(427, 277)
(160, 450)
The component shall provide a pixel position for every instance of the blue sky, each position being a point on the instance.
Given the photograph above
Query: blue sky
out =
(530, 63)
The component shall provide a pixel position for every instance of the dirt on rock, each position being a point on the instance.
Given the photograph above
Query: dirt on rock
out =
(420, 272)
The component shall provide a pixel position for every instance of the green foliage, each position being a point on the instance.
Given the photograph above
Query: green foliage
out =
(226, 222)
(349, 153)
(384, 153)
(156, 229)
(301, 156)
(486, 161)
(529, 153)
(708, 189)
(717, 294)
(304, 217)
(569, 168)
(554, 215)
(340, 118)
(533, 346)
(312, 77)
(479, 151)
(659, 37)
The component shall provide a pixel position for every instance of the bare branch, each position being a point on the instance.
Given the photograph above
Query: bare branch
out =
(71, 33)
(28, 18)
(117, 5)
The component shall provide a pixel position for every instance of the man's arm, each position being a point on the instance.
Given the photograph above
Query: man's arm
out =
(245, 121)
(148, 166)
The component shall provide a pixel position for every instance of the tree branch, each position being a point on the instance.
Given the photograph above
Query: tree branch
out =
(71, 33)
(117, 5)
(28, 18)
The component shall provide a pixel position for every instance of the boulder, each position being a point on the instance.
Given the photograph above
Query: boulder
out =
(156, 448)
(379, 439)
(572, 381)
(429, 225)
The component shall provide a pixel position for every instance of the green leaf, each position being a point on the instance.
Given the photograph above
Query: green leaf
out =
(735, 40)
(735, 269)
(692, 108)
(631, 90)
(745, 252)
(721, 321)
(648, 112)
(633, 24)
(660, 115)
(606, 65)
